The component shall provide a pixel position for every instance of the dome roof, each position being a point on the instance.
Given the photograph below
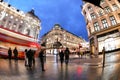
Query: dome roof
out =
(32, 13)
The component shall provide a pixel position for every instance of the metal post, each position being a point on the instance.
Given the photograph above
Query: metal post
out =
(103, 51)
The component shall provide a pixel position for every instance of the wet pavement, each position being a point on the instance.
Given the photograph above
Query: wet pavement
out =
(77, 69)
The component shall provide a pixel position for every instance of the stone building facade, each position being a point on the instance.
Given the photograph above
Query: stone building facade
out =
(18, 21)
(103, 25)
(18, 29)
(63, 37)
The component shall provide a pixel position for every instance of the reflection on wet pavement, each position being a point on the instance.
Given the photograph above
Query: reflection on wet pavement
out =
(10, 70)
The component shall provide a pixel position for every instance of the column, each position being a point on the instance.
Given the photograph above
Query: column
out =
(96, 45)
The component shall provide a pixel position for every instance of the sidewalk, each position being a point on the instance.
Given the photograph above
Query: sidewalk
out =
(86, 60)
(77, 69)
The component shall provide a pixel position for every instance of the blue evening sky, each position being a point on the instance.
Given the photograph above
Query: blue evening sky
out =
(67, 13)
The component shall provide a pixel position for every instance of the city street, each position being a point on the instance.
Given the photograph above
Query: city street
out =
(77, 69)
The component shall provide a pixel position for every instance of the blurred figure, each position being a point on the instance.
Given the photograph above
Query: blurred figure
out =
(30, 58)
(61, 55)
(15, 51)
(67, 52)
(26, 58)
(41, 56)
(9, 53)
(34, 57)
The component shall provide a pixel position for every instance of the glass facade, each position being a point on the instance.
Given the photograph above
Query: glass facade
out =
(110, 42)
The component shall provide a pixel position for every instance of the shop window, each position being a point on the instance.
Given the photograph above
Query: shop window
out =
(109, 44)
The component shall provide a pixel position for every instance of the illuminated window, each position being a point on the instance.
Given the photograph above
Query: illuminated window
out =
(96, 26)
(20, 28)
(113, 21)
(9, 24)
(93, 16)
(107, 9)
(14, 26)
(101, 12)
(105, 24)
(109, 44)
(115, 7)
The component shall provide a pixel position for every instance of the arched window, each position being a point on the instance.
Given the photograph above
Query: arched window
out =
(28, 32)
(20, 28)
(90, 8)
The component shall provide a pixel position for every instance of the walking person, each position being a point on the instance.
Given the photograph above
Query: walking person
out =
(30, 58)
(26, 57)
(15, 51)
(9, 53)
(34, 57)
(67, 52)
(41, 56)
(61, 55)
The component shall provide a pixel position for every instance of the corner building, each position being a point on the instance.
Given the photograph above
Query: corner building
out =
(65, 38)
(103, 25)
(18, 29)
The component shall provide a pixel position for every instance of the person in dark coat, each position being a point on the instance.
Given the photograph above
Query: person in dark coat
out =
(34, 57)
(15, 51)
(67, 52)
(9, 53)
(61, 54)
(30, 58)
(26, 58)
(41, 56)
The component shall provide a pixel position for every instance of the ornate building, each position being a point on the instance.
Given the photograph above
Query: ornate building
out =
(17, 29)
(58, 37)
(103, 25)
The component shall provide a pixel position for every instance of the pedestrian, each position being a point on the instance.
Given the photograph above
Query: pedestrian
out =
(34, 57)
(15, 51)
(26, 57)
(30, 58)
(67, 52)
(41, 57)
(9, 53)
(61, 55)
